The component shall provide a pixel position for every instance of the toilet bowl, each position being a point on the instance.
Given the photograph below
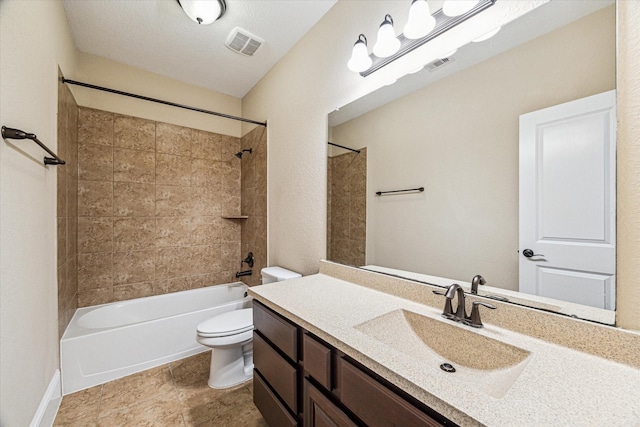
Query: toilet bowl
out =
(230, 336)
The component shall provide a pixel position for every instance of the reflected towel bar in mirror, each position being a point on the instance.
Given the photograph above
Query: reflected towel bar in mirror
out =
(409, 190)
(10, 133)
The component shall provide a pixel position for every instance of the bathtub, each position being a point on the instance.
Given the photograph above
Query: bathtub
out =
(110, 341)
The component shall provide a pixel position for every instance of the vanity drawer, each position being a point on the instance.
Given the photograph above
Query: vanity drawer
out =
(279, 331)
(374, 403)
(277, 371)
(274, 412)
(317, 360)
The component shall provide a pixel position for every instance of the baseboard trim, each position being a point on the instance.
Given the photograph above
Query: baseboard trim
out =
(48, 408)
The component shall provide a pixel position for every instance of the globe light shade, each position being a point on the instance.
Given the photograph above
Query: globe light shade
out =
(360, 60)
(387, 44)
(487, 36)
(203, 11)
(420, 22)
(458, 7)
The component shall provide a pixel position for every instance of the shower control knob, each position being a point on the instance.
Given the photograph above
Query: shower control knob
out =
(529, 253)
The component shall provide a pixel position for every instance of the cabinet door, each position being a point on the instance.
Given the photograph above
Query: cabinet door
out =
(320, 411)
(375, 404)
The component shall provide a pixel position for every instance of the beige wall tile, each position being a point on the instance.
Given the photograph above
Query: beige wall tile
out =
(131, 234)
(205, 259)
(95, 234)
(205, 202)
(134, 267)
(95, 271)
(132, 291)
(230, 231)
(95, 127)
(61, 194)
(206, 145)
(173, 170)
(72, 236)
(95, 162)
(133, 166)
(174, 231)
(206, 173)
(176, 284)
(172, 262)
(134, 133)
(134, 199)
(62, 240)
(95, 297)
(206, 230)
(172, 139)
(95, 198)
(172, 200)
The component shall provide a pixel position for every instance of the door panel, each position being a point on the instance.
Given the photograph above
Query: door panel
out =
(567, 201)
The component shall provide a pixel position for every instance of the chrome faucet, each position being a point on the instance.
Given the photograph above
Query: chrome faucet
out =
(477, 280)
(460, 314)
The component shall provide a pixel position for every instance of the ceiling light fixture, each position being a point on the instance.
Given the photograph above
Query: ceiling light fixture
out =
(203, 11)
(420, 21)
(421, 28)
(387, 44)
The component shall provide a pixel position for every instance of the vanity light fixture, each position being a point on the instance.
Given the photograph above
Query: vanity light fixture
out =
(420, 21)
(360, 60)
(387, 43)
(458, 7)
(203, 11)
(389, 48)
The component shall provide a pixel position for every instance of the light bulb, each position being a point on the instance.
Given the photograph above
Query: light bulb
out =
(420, 21)
(458, 7)
(487, 36)
(203, 11)
(387, 44)
(360, 60)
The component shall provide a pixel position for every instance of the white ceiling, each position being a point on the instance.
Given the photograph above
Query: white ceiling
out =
(157, 36)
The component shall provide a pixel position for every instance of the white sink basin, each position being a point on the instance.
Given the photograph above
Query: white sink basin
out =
(485, 363)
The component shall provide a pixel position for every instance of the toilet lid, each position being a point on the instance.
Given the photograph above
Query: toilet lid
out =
(229, 323)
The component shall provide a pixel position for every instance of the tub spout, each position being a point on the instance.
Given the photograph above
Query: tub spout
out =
(243, 273)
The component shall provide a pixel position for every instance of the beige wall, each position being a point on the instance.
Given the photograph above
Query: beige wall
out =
(459, 139)
(628, 314)
(104, 72)
(34, 41)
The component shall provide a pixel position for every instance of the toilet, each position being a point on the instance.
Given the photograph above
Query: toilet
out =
(230, 336)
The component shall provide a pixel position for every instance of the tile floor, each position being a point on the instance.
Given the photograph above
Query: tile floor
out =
(175, 394)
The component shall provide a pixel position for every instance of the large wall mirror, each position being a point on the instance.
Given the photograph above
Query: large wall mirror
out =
(454, 129)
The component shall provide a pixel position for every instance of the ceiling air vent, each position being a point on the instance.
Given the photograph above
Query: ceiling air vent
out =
(243, 42)
(439, 63)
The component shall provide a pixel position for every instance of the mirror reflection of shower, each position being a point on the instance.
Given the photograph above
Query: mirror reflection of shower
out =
(240, 153)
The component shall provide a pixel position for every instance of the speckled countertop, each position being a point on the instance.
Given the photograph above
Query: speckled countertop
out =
(555, 385)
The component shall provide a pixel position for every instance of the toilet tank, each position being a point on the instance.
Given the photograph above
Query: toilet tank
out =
(277, 274)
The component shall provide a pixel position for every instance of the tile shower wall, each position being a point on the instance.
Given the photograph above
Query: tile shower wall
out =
(254, 201)
(67, 206)
(151, 197)
(346, 210)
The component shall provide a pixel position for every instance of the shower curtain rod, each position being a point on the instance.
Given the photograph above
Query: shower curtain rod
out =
(342, 146)
(160, 101)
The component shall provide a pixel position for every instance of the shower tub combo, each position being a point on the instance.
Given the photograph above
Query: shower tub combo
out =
(110, 341)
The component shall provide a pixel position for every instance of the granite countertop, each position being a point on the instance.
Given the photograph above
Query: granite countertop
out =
(556, 385)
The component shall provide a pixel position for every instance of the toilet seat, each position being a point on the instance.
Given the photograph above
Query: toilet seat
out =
(227, 324)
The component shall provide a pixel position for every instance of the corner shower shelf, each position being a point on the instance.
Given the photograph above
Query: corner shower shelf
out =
(235, 216)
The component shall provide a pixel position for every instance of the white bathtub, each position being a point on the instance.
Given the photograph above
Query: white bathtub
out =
(110, 341)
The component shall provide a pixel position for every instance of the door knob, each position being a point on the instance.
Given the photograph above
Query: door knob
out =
(529, 253)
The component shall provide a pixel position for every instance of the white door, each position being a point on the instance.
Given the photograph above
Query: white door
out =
(567, 201)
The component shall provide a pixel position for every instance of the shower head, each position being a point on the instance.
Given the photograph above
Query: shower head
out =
(239, 153)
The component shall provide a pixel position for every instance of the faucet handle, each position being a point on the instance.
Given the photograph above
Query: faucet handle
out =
(447, 312)
(474, 319)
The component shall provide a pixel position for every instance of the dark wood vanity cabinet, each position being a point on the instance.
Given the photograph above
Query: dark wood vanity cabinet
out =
(300, 380)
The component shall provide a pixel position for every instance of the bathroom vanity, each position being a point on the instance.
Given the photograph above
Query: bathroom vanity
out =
(339, 348)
